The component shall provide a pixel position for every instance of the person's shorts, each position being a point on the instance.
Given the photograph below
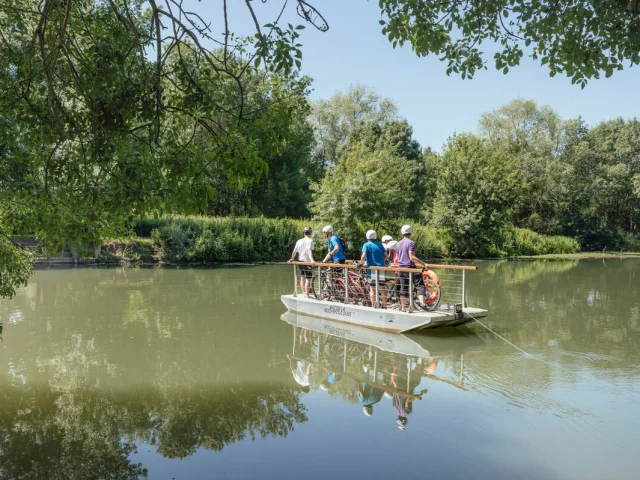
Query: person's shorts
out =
(381, 277)
(306, 271)
(403, 281)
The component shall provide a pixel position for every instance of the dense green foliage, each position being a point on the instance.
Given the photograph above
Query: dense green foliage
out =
(16, 266)
(528, 170)
(579, 39)
(576, 181)
(112, 110)
(335, 118)
(476, 186)
(199, 239)
(219, 239)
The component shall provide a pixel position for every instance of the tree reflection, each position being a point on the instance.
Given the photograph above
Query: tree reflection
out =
(129, 359)
(88, 433)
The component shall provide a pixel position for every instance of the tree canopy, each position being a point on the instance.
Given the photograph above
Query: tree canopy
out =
(579, 39)
(334, 119)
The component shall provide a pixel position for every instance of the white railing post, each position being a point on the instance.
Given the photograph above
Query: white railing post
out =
(319, 282)
(377, 300)
(346, 285)
(344, 365)
(295, 335)
(375, 365)
(295, 282)
(464, 300)
(410, 292)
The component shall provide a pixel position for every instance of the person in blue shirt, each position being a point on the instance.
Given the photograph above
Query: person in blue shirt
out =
(375, 255)
(334, 246)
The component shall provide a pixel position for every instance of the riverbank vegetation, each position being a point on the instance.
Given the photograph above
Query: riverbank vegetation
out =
(179, 239)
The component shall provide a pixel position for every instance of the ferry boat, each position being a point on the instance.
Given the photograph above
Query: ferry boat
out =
(340, 294)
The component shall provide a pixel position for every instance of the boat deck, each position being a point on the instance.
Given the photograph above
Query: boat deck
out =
(381, 319)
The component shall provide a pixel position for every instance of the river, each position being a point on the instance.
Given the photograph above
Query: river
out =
(192, 373)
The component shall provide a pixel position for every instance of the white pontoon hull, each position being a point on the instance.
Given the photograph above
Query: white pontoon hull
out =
(388, 320)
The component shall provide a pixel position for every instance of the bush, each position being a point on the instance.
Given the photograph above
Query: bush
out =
(179, 238)
(134, 251)
(430, 243)
(520, 241)
(214, 239)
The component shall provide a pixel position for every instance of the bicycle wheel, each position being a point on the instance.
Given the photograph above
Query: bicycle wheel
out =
(393, 295)
(357, 292)
(338, 290)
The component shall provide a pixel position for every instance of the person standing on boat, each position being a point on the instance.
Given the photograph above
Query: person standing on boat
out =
(385, 241)
(304, 249)
(336, 252)
(389, 245)
(406, 252)
(375, 255)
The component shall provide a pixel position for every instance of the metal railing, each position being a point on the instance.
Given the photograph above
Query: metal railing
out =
(345, 283)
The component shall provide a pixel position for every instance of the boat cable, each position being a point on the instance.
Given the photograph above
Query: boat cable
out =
(561, 367)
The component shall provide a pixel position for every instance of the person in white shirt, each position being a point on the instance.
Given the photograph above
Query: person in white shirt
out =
(304, 249)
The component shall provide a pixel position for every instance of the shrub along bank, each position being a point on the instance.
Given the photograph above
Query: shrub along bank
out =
(196, 239)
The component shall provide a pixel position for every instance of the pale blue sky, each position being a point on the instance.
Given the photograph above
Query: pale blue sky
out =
(355, 51)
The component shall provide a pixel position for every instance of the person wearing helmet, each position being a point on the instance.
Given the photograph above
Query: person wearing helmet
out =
(391, 251)
(374, 255)
(334, 246)
(304, 250)
(335, 252)
(406, 253)
(385, 241)
(392, 261)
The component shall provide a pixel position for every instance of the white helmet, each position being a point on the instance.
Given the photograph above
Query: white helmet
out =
(406, 229)
(386, 238)
(391, 245)
(327, 229)
(371, 235)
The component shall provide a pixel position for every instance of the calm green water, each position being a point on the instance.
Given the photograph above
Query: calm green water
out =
(111, 373)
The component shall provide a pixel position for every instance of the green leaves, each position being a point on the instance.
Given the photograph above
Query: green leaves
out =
(96, 132)
(16, 266)
(581, 38)
(476, 186)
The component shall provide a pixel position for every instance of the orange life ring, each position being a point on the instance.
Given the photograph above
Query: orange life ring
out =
(431, 275)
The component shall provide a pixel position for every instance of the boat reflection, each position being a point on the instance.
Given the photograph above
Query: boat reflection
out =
(363, 365)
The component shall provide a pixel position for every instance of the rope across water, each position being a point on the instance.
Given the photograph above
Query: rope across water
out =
(591, 379)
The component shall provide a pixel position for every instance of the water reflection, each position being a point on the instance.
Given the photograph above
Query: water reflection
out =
(187, 366)
(362, 366)
(89, 376)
